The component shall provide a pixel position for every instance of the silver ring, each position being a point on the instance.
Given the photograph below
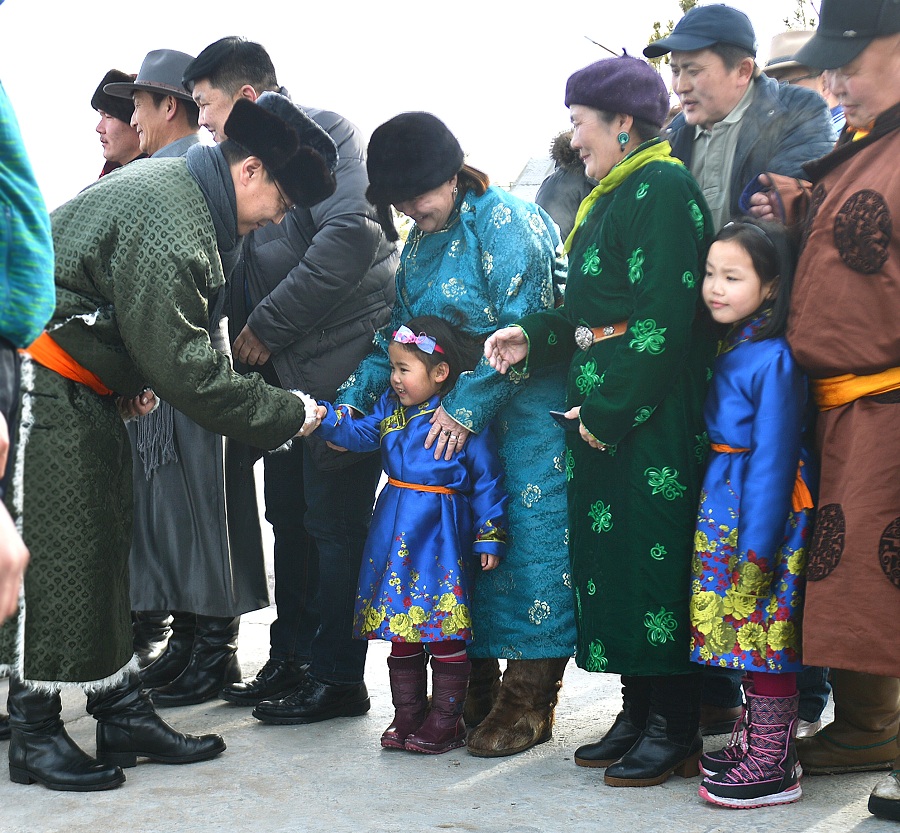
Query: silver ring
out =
(454, 437)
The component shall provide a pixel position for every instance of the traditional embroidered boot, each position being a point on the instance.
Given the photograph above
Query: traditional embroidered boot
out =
(863, 736)
(768, 773)
(444, 728)
(129, 728)
(213, 664)
(484, 687)
(409, 693)
(40, 749)
(177, 654)
(523, 715)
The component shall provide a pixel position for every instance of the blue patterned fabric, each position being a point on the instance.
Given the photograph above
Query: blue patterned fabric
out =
(749, 566)
(419, 561)
(27, 296)
(494, 263)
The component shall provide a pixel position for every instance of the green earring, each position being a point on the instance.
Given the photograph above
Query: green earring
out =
(623, 138)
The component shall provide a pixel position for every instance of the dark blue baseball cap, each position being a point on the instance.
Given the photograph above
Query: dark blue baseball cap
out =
(704, 26)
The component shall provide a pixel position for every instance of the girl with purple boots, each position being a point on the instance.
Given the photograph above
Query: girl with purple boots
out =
(435, 522)
(755, 516)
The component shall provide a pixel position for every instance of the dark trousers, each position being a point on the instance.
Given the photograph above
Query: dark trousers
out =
(9, 401)
(320, 520)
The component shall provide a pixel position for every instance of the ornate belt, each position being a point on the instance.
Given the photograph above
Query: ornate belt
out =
(587, 336)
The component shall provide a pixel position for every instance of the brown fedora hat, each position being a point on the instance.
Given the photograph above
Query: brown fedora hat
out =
(160, 72)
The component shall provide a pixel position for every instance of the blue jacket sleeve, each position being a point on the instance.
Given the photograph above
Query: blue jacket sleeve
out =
(489, 499)
(361, 434)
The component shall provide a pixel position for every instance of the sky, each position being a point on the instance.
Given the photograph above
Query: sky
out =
(492, 70)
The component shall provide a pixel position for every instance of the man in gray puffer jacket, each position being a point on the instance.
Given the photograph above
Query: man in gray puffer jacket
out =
(306, 299)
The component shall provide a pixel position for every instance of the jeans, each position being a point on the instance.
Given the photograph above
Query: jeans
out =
(722, 686)
(814, 688)
(320, 520)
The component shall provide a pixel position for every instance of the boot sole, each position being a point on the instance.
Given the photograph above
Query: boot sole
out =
(126, 760)
(348, 711)
(787, 797)
(22, 776)
(884, 808)
(457, 744)
(688, 768)
(843, 769)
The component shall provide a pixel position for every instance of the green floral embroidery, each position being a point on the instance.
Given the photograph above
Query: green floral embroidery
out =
(643, 414)
(597, 660)
(697, 217)
(648, 337)
(642, 190)
(636, 266)
(689, 280)
(591, 587)
(701, 447)
(709, 374)
(658, 552)
(588, 379)
(570, 464)
(660, 626)
(551, 339)
(664, 482)
(591, 264)
(601, 515)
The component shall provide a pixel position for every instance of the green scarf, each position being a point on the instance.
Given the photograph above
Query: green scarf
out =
(656, 150)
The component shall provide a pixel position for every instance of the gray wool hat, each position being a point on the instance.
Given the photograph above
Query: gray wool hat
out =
(161, 72)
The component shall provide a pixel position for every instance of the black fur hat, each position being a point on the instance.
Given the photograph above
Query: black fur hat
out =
(409, 155)
(121, 108)
(294, 149)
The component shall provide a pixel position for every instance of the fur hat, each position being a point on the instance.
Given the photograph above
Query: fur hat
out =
(160, 72)
(120, 108)
(294, 149)
(621, 85)
(408, 156)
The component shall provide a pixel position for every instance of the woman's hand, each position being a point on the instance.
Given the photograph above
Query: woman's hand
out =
(505, 348)
(587, 436)
(136, 406)
(489, 562)
(446, 434)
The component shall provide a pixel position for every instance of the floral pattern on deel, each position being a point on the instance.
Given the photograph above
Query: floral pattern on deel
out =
(591, 261)
(648, 338)
(601, 517)
(664, 482)
(588, 379)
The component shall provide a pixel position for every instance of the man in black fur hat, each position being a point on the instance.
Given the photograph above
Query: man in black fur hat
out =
(305, 302)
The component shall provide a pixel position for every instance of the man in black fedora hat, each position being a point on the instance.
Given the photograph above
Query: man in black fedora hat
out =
(305, 302)
(140, 258)
(843, 331)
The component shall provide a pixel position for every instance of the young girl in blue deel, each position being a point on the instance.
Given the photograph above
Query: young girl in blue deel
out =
(435, 522)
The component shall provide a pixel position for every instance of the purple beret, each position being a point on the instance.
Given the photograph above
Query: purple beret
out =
(621, 85)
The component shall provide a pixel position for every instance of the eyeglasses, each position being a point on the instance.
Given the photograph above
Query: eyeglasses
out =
(286, 204)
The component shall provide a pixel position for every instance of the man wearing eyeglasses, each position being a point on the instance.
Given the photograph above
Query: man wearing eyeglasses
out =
(304, 304)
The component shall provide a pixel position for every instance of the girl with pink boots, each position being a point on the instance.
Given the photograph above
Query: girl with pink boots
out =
(435, 523)
(755, 516)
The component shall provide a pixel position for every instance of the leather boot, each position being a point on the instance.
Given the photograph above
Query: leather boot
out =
(523, 715)
(767, 774)
(409, 693)
(213, 664)
(444, 728)
(4, 727)
(626, 728)
(275, 680)
(177, 654)
(863, 736)
(40, 749)
(484, 687)
(884, 801)
(129, 728)
(151, 632)
(670, 742)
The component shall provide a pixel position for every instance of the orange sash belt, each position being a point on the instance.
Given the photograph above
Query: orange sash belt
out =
(421, 487)
(839, 390)
(800, 499)
(45, 351)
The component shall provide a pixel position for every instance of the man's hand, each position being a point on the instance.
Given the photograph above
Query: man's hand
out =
(249, 350)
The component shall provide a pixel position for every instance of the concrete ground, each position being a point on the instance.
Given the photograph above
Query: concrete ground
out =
(334, 776)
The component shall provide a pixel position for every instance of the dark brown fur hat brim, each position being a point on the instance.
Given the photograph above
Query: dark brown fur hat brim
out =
(294, 149)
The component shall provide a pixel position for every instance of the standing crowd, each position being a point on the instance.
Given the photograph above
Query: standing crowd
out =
(657, 441)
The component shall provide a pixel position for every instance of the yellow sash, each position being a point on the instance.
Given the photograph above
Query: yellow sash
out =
(839, 390)
(800, 499)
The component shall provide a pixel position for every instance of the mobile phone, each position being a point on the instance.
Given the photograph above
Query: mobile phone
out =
(565, 422)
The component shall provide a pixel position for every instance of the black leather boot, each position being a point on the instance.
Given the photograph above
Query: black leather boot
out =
(175, 658)
(151, 634)
(40, 749)
(4, 727)
(626, 728)
(276, 679)
(129, 728)
(213, 664)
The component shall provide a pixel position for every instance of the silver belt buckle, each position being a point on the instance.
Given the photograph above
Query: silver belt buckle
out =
(584, 338)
